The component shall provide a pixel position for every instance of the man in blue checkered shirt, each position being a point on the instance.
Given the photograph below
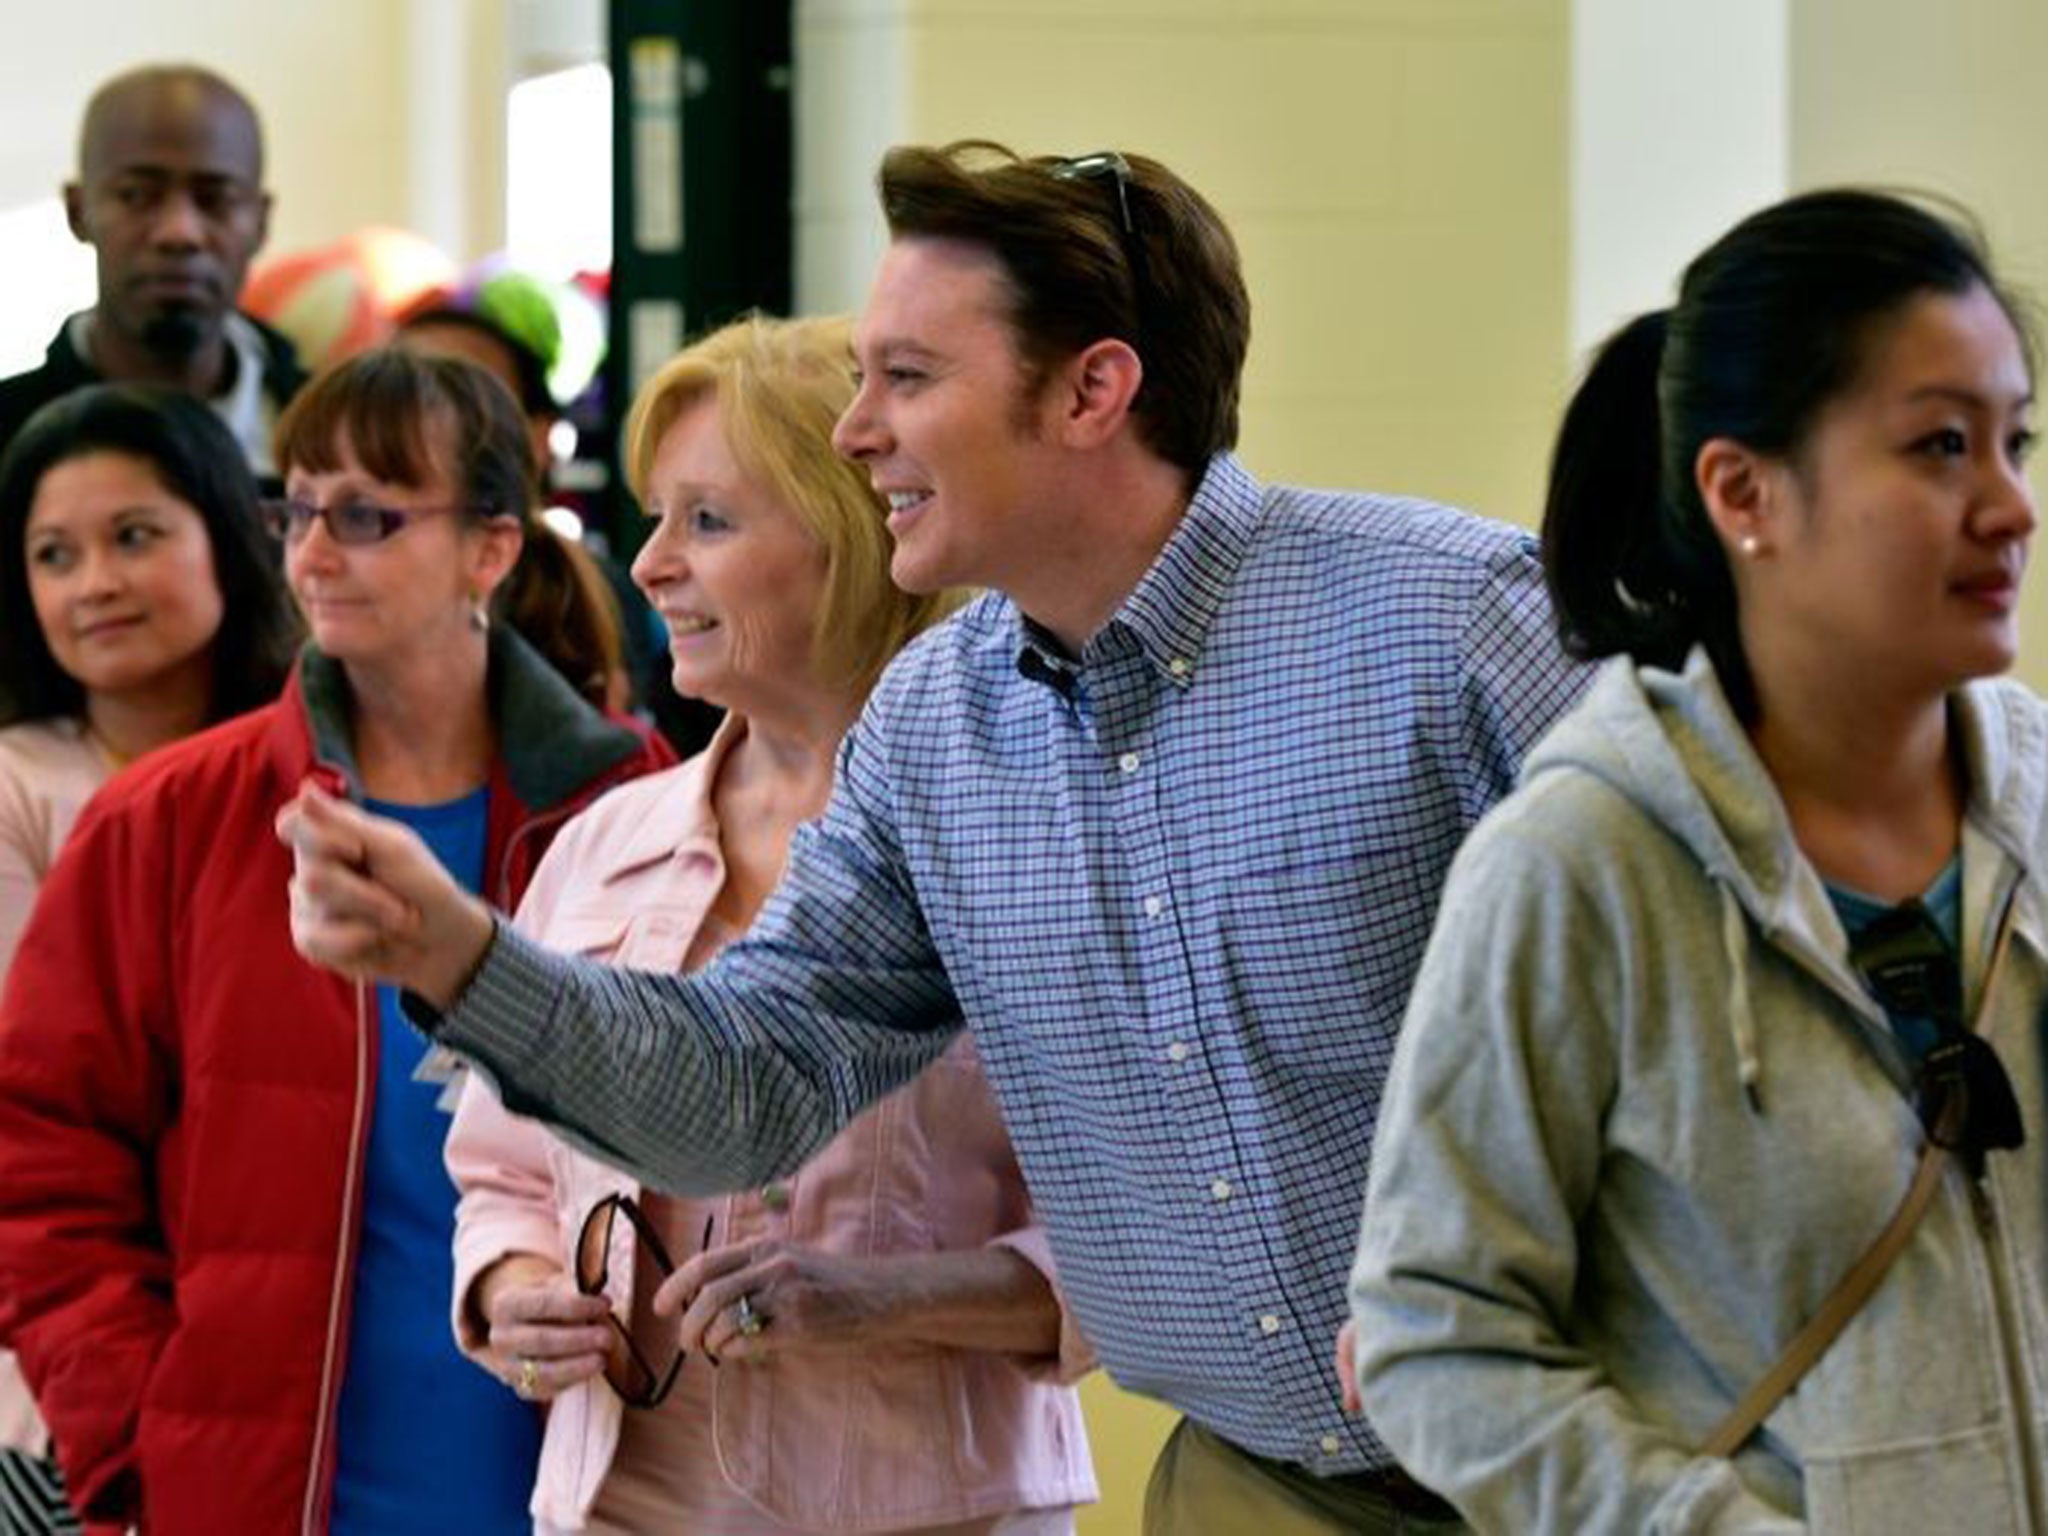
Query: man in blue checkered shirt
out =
(1162, 819)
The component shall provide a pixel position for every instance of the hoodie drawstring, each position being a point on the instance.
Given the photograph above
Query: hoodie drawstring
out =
(1741, 1021)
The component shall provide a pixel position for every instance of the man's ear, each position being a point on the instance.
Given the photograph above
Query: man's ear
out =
(1098, 385)
(1738, 488)
(263, 203)
(74, 212)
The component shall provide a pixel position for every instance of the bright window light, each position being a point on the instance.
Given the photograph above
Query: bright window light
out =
(49, 274)
(558, 181)
(565, 522)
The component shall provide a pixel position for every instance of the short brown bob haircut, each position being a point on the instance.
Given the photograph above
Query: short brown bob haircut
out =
(408, 417)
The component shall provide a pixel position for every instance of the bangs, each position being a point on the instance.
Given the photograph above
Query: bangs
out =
(379, 410)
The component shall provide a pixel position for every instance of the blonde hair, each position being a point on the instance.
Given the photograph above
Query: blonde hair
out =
(781, 385)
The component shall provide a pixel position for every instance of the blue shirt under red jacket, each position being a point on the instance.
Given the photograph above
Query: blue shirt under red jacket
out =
(184, 1107)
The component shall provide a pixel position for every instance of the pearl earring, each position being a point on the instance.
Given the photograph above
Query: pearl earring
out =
(1749, 545)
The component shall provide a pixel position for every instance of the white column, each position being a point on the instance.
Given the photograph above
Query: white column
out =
(1680, 124)
(852, 101)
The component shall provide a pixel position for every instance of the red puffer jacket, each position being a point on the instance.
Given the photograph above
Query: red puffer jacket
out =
(184, 1105)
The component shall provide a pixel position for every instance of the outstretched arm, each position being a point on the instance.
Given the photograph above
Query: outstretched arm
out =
(694, 1084)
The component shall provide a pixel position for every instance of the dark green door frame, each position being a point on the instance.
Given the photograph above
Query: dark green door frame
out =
(702, 186)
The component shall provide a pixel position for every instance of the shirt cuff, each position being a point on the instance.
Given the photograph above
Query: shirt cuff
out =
(501, 1017)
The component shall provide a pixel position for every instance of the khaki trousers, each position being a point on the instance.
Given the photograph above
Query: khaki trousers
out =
(1202, 1485)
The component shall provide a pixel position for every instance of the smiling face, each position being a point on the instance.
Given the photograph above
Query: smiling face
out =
(120, 572)
(409, 597)
(734, 573)
(1903, 521)
(946, 421)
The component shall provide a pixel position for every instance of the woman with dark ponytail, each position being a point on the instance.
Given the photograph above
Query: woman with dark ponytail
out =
(1708, 1191)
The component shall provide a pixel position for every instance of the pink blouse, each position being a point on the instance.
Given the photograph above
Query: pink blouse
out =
(897, 1440)
(48, 770)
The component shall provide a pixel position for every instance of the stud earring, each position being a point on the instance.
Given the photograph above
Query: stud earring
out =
(1749, 544)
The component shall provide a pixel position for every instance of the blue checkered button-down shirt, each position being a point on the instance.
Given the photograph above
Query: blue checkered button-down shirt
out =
(1178, 886)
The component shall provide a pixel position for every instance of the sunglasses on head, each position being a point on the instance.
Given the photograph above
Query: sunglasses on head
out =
(1963, 1094)
(1107, 165)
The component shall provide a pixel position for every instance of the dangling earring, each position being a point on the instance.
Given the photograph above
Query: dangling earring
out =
(479, 615)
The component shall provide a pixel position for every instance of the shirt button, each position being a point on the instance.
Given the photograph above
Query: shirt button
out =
(1269, 1324)
(776, 1197)
(1219, 1189)
(1331, 1445)
(1154, 906)
(1178, 1051)
(1128, 762)
(1178, 666)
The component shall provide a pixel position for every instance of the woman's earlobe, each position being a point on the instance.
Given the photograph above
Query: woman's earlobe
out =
(1734, 491)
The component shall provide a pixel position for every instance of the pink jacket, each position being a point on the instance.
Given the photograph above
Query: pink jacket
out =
(48, 770)
(912, 1438)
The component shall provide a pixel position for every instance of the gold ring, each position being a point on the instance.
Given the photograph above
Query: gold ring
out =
(529, 1378)
(750, 1322)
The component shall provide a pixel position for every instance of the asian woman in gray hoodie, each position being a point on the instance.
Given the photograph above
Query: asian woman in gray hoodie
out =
(1765, 919)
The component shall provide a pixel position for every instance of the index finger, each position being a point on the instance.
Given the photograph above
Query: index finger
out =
(314, 825)
(553, 1302)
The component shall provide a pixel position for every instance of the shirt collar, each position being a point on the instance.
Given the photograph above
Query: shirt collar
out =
(1169, 612)
(243, 406)
(687, 825)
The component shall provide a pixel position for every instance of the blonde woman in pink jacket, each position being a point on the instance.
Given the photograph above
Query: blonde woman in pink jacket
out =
(878, 1343)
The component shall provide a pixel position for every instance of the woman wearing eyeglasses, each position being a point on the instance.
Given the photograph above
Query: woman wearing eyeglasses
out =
(137, 605)
(875, 1344)
(223, 1222)
(1750, 971)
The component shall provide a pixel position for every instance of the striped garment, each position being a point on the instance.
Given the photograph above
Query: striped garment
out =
(1178, 885)
(32, 1497)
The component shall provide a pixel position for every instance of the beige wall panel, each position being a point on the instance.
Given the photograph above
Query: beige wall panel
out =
(851, 105)
(1948, 100)
(1395, 174)
(328, 80)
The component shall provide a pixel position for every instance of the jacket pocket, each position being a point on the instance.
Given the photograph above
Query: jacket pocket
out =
(1959, 1482)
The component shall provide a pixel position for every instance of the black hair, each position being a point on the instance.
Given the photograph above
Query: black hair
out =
(535, 398)
(1773, 321)
(198, 460)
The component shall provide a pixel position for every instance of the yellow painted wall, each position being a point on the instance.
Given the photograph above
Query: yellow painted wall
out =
(1394, 171)
(1945, 99)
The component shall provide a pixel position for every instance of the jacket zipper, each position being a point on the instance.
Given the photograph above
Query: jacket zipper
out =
(316, 1480)
(500, 897)
(1993, 1233)
(330, 1369)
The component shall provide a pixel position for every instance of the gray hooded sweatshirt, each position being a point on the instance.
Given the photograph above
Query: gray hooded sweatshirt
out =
(1643, 1118)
